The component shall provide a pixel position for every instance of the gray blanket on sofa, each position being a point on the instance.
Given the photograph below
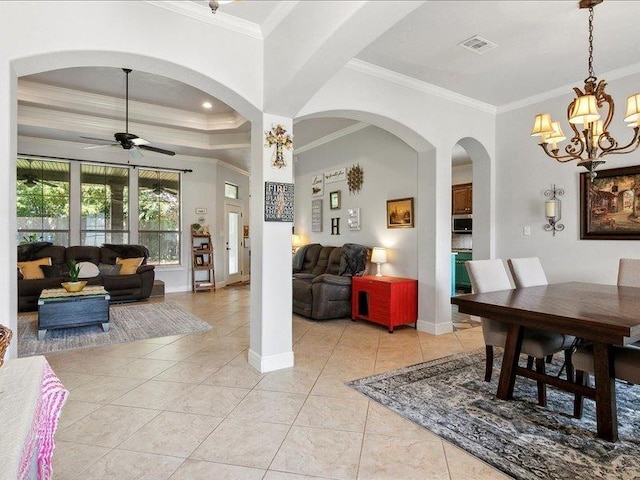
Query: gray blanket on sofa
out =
(354, 260)
(298, 257)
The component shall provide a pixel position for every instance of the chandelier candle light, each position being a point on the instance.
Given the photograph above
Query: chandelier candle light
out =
(594, 141)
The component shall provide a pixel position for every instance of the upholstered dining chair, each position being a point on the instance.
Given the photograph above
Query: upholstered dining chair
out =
(528, 272)
(626, 359)
(626, 366)
(629, 272)
(491, 276)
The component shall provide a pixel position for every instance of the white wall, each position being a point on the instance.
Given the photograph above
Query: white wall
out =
(462, 174)
(523, 173)
(390, 171)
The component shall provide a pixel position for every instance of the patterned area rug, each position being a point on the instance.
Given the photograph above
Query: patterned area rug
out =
(128, 323)
(449, 397)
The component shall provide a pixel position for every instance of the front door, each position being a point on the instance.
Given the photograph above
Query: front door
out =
(233, 215)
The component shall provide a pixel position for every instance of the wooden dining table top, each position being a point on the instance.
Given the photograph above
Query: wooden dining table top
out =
(604, 313)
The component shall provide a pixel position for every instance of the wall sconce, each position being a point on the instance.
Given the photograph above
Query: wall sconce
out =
(296, 243)
(552, 210)
(379, 256)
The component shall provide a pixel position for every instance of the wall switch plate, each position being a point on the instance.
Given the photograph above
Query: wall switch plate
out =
(526, 231)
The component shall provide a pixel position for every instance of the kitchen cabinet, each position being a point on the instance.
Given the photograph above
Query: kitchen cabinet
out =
(462, 199)
(462, 277)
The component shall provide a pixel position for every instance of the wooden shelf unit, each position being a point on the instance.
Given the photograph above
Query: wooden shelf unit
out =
(202, 261)
(389, 301)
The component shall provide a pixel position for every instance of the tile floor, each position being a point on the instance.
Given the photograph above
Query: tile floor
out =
(190, 407)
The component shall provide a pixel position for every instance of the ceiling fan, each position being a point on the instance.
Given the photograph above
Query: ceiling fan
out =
(31, 179)
(127, 140)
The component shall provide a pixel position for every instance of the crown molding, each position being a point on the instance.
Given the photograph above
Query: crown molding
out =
(330, 138)
(419, 85)
(561, 91)
(276, 16)
(31, 93)
(203, 14)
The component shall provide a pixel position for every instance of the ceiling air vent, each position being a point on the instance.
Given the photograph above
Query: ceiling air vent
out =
(477, 44)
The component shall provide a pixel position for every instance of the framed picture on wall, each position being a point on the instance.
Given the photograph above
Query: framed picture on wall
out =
(610, 205)
(400, 213)
(334, 200)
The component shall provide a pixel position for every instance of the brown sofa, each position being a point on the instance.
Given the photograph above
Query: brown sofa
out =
(120, 287)
(322, 279)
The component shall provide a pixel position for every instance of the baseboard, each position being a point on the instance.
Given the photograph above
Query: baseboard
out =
(270, 363)
(435, 328)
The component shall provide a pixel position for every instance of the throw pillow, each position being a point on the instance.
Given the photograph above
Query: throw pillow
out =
(31, 270)
(129, 265)
(88, 270)
(109, 269)
(54, 271)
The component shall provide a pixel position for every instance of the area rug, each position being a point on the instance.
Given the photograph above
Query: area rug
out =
(449, 397)
(128, 323)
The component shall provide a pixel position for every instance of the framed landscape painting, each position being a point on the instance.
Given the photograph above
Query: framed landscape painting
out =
(400, 213)
(610, 205)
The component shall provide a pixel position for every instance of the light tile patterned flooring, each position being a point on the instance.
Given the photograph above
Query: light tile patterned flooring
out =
(190, 407)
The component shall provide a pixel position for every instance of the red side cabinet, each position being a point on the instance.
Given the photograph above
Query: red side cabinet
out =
(389, 301)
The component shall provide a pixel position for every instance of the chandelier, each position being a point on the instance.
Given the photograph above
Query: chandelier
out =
(591, 140)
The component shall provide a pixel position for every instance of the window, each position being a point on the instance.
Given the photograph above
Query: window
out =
(43, 201)
(230, 190)
(159, 215)
(105, 204)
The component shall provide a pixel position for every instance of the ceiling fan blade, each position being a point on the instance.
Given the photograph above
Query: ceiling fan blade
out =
(140, 141)
(92, 147)
(99, 139)
(135, 153)
(157, 150)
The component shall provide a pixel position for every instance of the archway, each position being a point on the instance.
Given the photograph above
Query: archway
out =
(59, 60)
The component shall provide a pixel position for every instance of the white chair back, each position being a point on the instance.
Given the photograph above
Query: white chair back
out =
(629, 272)
(527, 272)
(488, 275)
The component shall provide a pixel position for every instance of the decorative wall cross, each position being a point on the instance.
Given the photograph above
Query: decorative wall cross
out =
(279, 137)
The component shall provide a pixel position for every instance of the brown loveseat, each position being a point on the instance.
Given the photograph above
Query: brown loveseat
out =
(322, 279)
(136, 286)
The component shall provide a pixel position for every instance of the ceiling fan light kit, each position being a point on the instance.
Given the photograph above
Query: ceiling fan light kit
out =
(594, 141)
(128, 141)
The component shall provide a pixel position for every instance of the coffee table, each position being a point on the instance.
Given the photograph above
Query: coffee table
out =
(58, 308)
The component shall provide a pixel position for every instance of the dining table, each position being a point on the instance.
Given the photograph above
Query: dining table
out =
(603, 315)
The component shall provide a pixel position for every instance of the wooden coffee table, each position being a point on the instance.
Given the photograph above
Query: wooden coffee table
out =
(58, 308)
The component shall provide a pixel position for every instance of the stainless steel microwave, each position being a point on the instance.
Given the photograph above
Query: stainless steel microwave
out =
(462, 223)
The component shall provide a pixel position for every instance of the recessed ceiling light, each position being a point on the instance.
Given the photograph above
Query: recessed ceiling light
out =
(207, 105)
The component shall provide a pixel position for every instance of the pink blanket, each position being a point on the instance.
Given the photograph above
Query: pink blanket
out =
(45, 422)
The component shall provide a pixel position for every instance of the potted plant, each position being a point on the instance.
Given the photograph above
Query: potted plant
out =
(74, 285)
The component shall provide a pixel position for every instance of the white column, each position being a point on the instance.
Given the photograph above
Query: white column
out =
(8, 233)
(433, 214)
(271, 325)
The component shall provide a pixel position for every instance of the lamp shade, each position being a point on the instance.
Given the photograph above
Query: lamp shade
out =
(584, 110)
(379, 255)
(295, 241)
(542, 125)
(633, 109)
(556, 136)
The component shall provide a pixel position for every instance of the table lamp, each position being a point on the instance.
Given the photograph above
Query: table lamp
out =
(296, 243)
(379, 256)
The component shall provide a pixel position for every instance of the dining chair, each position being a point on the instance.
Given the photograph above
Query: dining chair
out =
(491, 276)
(629, 272)
(528, 272)
(626, 363)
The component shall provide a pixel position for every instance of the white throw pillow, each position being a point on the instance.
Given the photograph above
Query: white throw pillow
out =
(88, 270)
